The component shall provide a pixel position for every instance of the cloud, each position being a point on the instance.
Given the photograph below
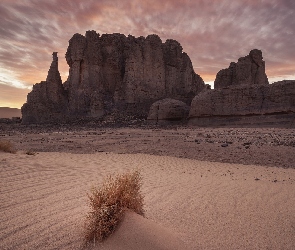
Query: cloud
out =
(213, 33)
(11, 96)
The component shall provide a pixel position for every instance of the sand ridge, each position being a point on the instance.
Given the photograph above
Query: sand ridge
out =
(208, 205)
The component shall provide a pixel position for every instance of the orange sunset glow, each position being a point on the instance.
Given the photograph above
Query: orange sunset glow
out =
(213, 33)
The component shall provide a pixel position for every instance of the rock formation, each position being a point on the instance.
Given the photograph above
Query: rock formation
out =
(245, 105)
(111, 73)
(248, 70)
(47, 101)
(168, 110)
(242, 96)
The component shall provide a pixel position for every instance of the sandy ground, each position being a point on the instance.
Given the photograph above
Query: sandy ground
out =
(257, 146)
(205, 205)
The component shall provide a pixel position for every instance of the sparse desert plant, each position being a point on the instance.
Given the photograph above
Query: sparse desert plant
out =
(108, 203)
(30, 152)
(7, 146)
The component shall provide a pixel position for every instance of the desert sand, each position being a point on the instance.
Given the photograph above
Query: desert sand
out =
(189, 204)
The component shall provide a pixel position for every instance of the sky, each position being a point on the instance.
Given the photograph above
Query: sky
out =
(212, 32)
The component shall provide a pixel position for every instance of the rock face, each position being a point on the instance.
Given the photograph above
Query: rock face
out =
(111, 73)
(243, 97)
(249, 70)
(47, 101)
(245, 105)
(168, 110)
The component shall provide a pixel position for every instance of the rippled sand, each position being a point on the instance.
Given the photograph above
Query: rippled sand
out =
(200, 204)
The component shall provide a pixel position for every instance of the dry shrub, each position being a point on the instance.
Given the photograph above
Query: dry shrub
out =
(6, 146)
(30, 152)
(109, 202)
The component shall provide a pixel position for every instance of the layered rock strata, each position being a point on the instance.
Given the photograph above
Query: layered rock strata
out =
(272, 104)
(249, 70)
(112, 73)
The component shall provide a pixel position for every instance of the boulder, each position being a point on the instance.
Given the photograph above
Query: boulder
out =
(249, 70)
(168, 110)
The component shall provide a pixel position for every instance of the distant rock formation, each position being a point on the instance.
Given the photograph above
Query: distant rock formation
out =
(248, 70)
(245, 105)
(110, 73)
(168, 110)
(243, 97)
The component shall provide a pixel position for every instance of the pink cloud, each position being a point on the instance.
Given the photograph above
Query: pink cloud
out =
(11, 96)
(213, 33)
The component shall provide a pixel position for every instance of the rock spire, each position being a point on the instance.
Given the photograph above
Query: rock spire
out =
(47, 100)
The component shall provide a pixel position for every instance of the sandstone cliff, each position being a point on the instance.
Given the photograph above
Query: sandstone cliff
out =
(243, 97)
(245, 105)
(112, 73)
(248, 70)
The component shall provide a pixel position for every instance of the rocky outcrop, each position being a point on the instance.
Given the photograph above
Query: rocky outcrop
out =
(249, 70)
(167, 111)
(245, 105)
(47, 100)
(112, 73)
(243, 97)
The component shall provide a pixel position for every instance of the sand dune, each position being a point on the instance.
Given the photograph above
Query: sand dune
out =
(136, 232)
(207, 205)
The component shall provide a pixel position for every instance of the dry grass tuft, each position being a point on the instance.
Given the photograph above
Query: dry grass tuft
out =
(30, 152)
(6, 146)
(109, 202)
